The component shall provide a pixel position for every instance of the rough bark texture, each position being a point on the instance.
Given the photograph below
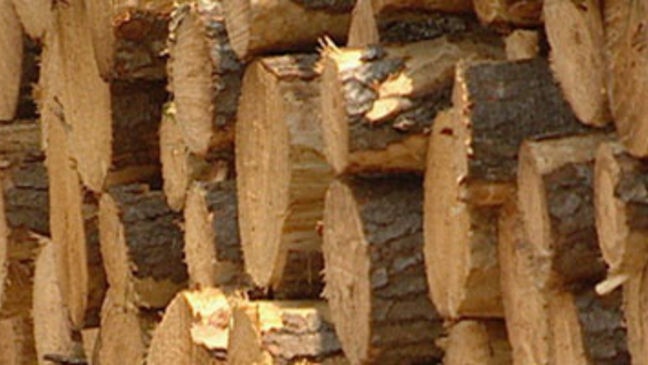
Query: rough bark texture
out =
(11, 40)
(508, 13)
(378, 103)
(374, 272)
(477, 342)
(450, 6)
(142, 245)
(17, 341)
(270, 26)
(283, 333)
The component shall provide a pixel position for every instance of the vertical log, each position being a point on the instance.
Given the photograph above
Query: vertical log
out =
(35, 16)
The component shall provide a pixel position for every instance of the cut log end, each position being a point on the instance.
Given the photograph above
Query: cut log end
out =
(11, 45)
(477, 342)
(522, 44)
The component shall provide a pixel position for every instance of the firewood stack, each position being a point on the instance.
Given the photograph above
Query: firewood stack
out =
(323, 182)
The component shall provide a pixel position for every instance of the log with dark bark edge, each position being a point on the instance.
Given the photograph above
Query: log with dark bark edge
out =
(525, 305)
(17, 341)
(556, 199)
(212, 244)
(374, 271)
(193, 330)
(507, 13)
(53, 332)
(205, 77)
(141, 245)
(18, 140)
(74, 231)
(283, 332)
(272, 26)
(128, 37)
(477, 342)
(35, 16)
(379, 102)
(11, 40)
(587, 328)
(575, 33)
(621, 206)
(625, 34)
(374, 22)
(279, 143)
(522, 44)
(635, 303)
(125, 333)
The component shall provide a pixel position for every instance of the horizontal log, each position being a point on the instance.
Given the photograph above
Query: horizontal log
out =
(36, 16)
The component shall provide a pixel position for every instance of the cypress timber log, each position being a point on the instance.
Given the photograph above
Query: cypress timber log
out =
(555, 181)
(374, 272)
(477, 342)
(279, 143)
(505, 13)
(522, 44)
(271, 26)
(628, 76)
(141, 245)
(212, 244)
(194, 330)
(11, 47)
(472, 159)
(17, 341)
(35, 16)
(587, 328)
(635, 302)
(53, 333)
(378, 103)
(525, 304)
(278, 332)
(205, 77)
(621, 202)
(575, 33)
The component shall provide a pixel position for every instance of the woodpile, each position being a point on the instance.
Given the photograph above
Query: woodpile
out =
(323, 182)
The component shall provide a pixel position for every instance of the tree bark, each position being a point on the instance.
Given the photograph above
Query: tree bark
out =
(283, 332)
(477, 342)
(625, 43)
(11, 47)
(509, 13)
(271, 26)
(194, 330)
(378, 102)
(374, 272)
(279, 142)
(205, 77)
(575, 33)
(212, 244)
(141, 244)
(522, 44)
(16, 341)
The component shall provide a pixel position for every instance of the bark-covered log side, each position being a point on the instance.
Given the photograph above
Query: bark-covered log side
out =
(332, 6)
(505, 103)
(413, 26)
(221, 202)
(26, 197)
(301, 277)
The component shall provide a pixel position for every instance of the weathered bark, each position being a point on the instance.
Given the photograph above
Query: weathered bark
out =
(11, 41)
(290, 332)
(374, 271)
(212, 244)
(522, 44)
(507, 13)
(635, 303)
(575, 33)
(18, 140)
(271, 26)
(621, 201)
(450, 6)
(279, 142)
(17, 341)
(141, 245)
(555, 183)
(205, 77)
(525, 304)
(627, 72)
(378, 103)
(194, 330)
(35, 16)
(477, 342)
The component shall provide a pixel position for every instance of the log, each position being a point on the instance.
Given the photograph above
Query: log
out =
(378, 102)
(205, 77)
(272, 26)
(374, 271)
(477, 342)
(141, 245)
(627, 76)
(635, 300)
(194, 330)
(16, 341)
(279, 141)
(11, 46)
(89, 338)
(555, 181)
(449, 6)
(18, 140)
(35, 16)
(522, 44)
(283, 332)
(620, 204)
(53, 331)
(508, 13)
(575, 33)
(212, 244)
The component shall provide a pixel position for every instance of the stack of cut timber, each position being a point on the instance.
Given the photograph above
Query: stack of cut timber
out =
(323, 182)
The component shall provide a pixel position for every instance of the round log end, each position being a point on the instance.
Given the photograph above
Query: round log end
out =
(11, 45)
(174, 159)
(239, 18)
